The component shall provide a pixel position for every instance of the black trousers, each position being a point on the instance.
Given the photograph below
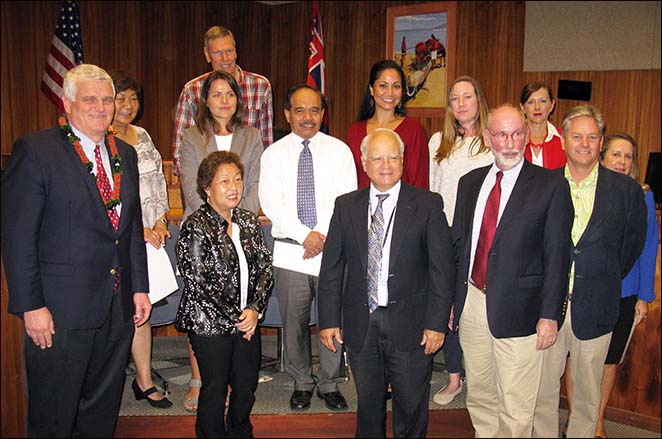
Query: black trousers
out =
(75, 387)
(223, 360)
(409, 374)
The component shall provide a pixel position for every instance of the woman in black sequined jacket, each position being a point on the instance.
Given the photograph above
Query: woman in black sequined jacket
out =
(215, 244)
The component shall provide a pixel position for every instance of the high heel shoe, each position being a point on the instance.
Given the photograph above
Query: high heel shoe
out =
(139, 394)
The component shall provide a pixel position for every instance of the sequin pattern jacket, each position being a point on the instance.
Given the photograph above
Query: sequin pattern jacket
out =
(209, 264)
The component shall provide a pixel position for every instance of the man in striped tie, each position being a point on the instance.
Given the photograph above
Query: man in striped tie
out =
(387, 280)
(74, 254)
(301, 175)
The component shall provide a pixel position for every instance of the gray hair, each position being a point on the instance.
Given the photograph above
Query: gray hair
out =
(367, 139)
(584, 111)
(83, 72)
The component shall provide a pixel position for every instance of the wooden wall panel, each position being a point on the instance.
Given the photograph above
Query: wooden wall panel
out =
(160, 42)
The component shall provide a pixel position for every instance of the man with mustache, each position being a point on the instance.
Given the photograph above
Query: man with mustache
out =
(511, 233)
(300, 177)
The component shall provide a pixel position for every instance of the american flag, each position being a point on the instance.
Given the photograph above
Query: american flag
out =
(66, 51)
(316, 61)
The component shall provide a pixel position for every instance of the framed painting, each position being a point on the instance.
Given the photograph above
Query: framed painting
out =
(421, 38)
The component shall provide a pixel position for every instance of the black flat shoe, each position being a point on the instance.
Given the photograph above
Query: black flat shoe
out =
(300, 400)
(139, 394)
(333, 400)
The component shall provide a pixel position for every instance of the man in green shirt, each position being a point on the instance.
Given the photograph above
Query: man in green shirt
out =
(608, 235)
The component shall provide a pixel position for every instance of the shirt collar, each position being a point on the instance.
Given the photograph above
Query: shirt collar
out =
(590, 180)
(84, 140)
(551, 132)
(512, 172)
(299, 140)
(393, 192)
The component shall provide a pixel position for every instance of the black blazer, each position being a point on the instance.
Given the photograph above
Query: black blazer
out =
(421, 269)
(604, 255)
(528, 263)
(58, 245)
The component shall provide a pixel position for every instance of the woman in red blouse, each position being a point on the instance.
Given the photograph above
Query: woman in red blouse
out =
(544, 147)
(383, 107)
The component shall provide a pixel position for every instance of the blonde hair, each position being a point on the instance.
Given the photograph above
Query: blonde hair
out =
(453, 129)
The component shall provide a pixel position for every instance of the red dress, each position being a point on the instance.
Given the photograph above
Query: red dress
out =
(416, 159)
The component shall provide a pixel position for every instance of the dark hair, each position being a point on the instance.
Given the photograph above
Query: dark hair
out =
(204, 120)
(209, 166)
(367, 108)
(123, 82)
(295, 88)
(533, 87)
(634, 171)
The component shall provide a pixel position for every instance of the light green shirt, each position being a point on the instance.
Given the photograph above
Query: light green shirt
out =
(583, 198)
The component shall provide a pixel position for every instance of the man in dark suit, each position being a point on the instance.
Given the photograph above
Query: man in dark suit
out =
(74, 255)
(512, 236)
(393, 242)
(608, 234)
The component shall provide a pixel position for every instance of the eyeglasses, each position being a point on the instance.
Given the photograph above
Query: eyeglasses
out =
(503, 137)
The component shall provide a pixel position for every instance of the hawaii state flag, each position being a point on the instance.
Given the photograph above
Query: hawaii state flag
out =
(65, 53)
(316, 61)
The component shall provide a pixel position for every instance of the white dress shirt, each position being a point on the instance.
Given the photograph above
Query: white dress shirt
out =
(507, 184)
(388, 209)
(334, 173)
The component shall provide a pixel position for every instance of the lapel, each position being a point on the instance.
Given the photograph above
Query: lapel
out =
(88, 181)
(600, 204)
(469, 207)
(359, 220)
(517, 197)
(238, 143)
(404, 211)
(211, 144)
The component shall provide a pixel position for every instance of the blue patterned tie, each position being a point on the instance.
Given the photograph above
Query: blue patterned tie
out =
(375, 236)
(306, 210)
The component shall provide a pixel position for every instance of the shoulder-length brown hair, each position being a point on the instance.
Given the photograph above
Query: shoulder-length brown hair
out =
(453, 129)
(204, 120)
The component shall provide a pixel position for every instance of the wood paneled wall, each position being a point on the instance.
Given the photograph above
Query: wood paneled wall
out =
(161, 44)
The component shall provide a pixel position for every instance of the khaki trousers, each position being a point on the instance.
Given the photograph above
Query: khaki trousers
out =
(588, 359)
(502, 374)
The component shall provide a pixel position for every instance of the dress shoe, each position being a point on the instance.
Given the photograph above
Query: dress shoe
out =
(446, 398)
(300, 400)
(333, 400)
(139, 394)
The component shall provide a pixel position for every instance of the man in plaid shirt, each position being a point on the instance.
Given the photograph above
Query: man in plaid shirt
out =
(221, 51)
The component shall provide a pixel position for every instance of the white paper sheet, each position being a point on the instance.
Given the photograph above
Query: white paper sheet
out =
(162, 281)
(290, 257)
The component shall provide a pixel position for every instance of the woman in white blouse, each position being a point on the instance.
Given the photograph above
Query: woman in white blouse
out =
(154, 203)
(454, 152)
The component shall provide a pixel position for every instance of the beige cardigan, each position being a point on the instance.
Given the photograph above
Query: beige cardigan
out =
(246, 142)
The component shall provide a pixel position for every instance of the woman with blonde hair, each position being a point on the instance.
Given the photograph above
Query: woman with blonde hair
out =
(458, 149)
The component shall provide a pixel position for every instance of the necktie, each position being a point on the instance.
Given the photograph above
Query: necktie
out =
(306, 210)
(375, 235)
(104, 187)
(486, 236)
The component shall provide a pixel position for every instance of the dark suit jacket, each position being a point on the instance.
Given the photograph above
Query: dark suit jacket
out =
(420, 268)
(609, 247)
(246, 142)
(58, 245)
(528, 263)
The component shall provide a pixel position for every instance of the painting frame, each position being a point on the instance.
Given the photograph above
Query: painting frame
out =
(417, 66)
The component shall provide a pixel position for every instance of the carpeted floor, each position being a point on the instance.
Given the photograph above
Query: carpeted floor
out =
(170, 358)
